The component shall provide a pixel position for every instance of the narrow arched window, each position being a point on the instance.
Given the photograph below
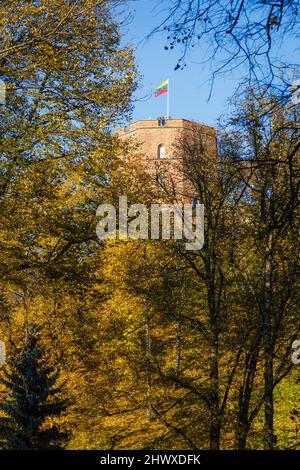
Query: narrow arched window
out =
(160, 181)
(161, 152)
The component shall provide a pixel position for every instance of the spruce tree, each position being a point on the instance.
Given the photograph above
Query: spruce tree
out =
(32, 395)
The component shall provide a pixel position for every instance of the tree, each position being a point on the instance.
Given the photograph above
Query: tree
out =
(244, 32)
(269, 164)
(249, 191)
(32, 396)
(69, 84)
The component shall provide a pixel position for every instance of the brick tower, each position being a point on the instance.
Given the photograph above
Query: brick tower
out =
(157, 139)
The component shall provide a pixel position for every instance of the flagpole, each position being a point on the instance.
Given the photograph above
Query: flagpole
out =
(168, 100)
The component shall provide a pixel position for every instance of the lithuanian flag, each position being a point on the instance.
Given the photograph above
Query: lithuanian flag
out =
(162, 88)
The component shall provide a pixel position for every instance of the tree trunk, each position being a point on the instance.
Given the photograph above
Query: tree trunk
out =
(215, 422)
(177, 351)
(243, 424)
(148, 362)
(214, 395)
(268, 349)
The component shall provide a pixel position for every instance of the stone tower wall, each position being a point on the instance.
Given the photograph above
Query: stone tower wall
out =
(150, 134)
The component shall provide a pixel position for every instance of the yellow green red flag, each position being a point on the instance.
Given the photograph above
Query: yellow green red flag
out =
(162, 88)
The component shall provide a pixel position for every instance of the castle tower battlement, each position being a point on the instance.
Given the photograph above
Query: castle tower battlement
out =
(157, 139)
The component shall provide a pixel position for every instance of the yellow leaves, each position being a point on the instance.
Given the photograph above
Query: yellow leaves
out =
(50, 57)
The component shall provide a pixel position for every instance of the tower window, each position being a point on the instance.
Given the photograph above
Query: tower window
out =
(161, 152)
(160, 181)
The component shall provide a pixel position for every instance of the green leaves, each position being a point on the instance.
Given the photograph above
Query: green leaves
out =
(30, 397)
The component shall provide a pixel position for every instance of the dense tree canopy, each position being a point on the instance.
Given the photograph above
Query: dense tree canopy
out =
(159, 347)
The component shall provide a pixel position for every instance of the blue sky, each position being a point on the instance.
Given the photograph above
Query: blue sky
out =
(189, 89)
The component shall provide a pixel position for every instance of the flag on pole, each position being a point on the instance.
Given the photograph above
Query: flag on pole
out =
(162, 88)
